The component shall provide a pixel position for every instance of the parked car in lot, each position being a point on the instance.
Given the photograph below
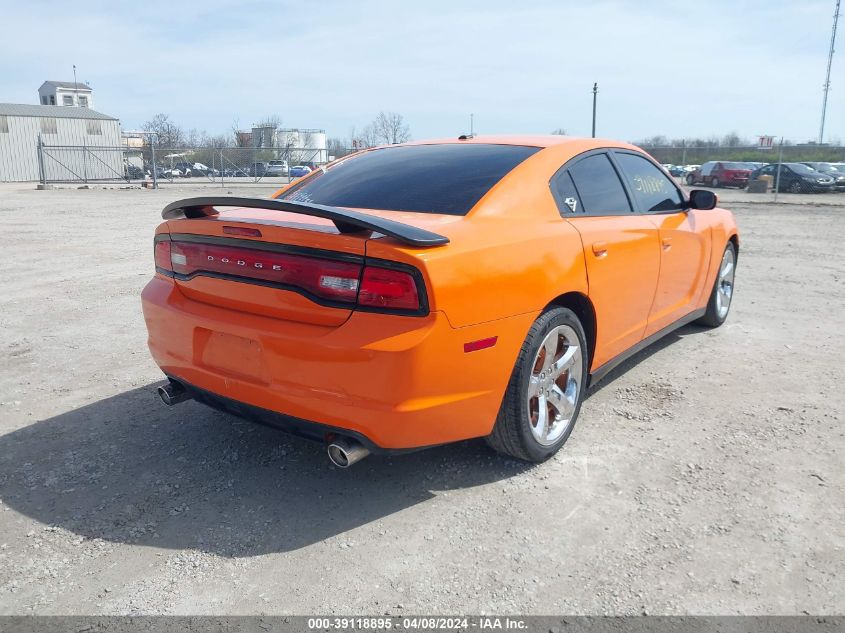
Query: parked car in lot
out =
(720, 174)
(186, 169)
(298, 171)
(796, 178)
(277, 168)
(162, 171)
(441, 294)
(834, 170)
(258, 169)
(235, 172)
(133, 172)
(677, 171)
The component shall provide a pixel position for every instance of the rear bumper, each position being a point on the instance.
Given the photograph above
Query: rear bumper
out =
(295, 426)
(394, 382)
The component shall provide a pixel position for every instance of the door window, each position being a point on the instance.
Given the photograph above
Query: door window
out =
(598, 183)
(652, 190)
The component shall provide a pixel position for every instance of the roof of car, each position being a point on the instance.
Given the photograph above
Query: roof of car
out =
(531, 140)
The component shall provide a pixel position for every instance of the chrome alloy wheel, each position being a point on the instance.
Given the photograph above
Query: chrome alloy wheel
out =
(554, 385)
(725, 287)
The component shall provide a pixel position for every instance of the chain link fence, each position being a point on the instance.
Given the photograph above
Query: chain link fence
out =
(161, 166)
(276, 166)
(698, 155)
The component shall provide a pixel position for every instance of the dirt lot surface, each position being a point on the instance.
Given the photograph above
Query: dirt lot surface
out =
(705, 476)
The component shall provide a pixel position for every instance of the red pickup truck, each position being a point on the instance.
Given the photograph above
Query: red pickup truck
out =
(720, 174)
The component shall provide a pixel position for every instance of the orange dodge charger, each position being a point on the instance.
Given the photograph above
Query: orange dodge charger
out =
(424, 293)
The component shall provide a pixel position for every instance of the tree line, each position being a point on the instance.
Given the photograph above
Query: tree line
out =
(387, 128)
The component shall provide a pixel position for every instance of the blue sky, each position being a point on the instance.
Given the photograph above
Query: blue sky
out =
(678, 68)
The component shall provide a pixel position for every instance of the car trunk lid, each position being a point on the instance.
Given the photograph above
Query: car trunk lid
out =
(287, 264)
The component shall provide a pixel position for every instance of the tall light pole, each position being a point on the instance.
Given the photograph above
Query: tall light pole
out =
(827, 76)
(595, 92)
(75, 87)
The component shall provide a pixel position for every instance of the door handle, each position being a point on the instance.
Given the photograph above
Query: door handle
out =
(667, 243)
(600, 249)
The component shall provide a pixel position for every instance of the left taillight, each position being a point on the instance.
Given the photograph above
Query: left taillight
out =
(162, 255)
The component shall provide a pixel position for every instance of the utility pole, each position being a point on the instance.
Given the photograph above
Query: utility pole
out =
(595, 92)
(777, 175)
(827, 76)
(75, 87)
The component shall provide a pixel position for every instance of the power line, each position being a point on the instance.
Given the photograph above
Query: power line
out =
(827, 76)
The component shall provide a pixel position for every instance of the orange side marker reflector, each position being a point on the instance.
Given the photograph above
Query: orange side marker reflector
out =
(474, 346)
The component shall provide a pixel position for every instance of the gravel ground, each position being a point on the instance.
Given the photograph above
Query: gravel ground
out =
(704, 477)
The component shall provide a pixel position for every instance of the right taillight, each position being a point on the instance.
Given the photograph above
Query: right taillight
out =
(388, 289)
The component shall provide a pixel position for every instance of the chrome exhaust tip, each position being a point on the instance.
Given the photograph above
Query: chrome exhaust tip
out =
(344, 452)
(172, 393)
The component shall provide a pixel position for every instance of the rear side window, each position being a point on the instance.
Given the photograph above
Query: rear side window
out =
(599, 185)
(447, 178)
(651, 188)
(565, 194)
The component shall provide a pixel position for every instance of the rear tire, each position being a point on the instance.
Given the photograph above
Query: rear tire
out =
(722, 294)
(547, 386)
(715, 183)
(690, 180)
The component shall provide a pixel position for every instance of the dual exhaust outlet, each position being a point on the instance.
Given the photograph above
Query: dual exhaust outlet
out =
(343, 451)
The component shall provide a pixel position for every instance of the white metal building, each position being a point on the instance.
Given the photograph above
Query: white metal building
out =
(300, 145)
(70, 137)
(66, 93)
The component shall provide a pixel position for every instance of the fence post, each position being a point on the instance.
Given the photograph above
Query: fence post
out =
(42, 175)
(153, 159)
(777, 175)
(222, 169)
(84, 163)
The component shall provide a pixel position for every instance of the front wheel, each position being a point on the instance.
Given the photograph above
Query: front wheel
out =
(690, 180)
(544, 395)
(723, 290)
(795, 187)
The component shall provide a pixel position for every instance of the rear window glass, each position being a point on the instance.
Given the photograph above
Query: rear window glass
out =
(448, 178)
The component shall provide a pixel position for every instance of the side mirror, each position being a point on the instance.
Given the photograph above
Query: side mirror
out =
(702, 199)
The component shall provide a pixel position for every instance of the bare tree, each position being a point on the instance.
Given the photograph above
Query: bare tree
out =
(271, 120)
(167, 133)
(337, 147)
(559, 132)
(390, 128)
(241, 138)
(734, 140)
(196, 138)
(367, 137)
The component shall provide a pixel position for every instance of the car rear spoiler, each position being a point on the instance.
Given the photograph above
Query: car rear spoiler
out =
(345, 220)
